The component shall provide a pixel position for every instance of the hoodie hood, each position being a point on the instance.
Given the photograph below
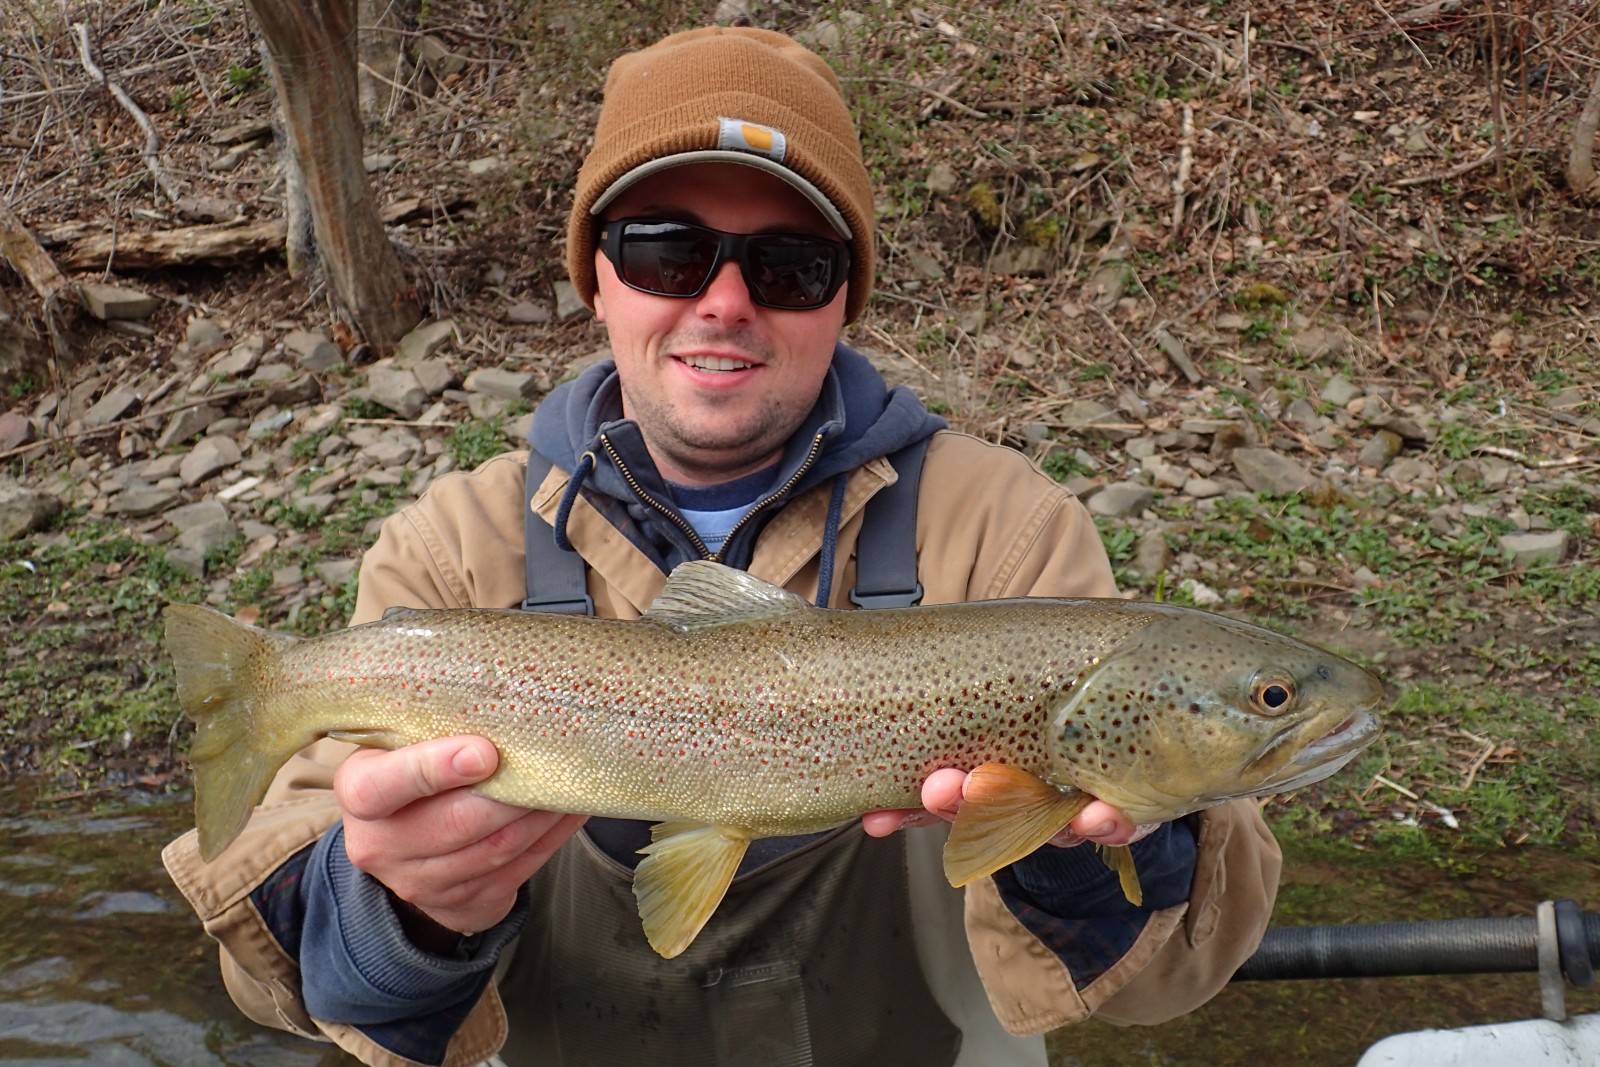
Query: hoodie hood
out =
(857, 417)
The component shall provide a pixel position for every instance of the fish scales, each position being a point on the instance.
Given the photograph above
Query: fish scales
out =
(626, 720)
(735, 710)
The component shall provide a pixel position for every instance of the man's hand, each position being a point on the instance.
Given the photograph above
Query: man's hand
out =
(941, 797)
(456, 859)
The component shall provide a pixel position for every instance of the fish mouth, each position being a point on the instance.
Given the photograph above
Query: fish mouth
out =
(1323, 756)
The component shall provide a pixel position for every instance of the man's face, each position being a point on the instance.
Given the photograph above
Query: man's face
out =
(716, 382)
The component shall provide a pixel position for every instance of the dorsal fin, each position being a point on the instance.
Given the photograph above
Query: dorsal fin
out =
(701, 593)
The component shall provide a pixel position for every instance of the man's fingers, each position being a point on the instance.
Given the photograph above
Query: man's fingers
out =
(373, 784)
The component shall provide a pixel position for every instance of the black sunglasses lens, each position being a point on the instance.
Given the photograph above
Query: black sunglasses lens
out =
(791, 272)
(666, 258)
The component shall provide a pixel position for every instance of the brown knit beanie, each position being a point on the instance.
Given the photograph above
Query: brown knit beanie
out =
(732, 94)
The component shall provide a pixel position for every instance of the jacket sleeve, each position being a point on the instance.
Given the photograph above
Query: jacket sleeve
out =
(267, 899)
(1053, 939)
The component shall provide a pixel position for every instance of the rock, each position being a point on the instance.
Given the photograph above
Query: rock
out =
(1417, 473)
(111, 407)
(192, 516)
(526, 312)
(397, 389)
(24, 510)
(1266, 471)
(1303, 414)
(1203, 488)
(141, 500)
(1381, 450)
(435, 376)
(1534, 549)
(229, 161)
(287, 577)
(437, 55)
(185, 424)
(1177, 355)
(211, 455)
(424, 341)
(336, 572)
(1153, 556)
(1021, 259)
(241, 359)
(1120, 500)
(1203, 595)
(239, 132)
(295, 392)
(1107, 284)
(203, 527)
(943, 180)
(312, 350)
(395, 448)
(1316, 343)
(106, 302)
(477, 168)
(504, 384)
(269, 423)
(202, 337)
(1339, 391)
(569, 305)
(1092, 419)
(15, 430)
(1165, 473)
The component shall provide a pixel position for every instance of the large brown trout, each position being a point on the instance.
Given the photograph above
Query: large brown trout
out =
(735, 710)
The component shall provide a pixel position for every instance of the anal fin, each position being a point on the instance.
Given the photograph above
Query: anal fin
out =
(1120, 859)
(1005, 814)
(682, 878)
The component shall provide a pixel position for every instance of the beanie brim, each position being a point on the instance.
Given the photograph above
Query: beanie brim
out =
(799, 182)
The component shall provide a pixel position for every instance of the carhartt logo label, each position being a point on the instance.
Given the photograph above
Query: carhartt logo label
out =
(741, 136)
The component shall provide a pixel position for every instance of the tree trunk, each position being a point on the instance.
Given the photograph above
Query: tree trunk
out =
(313, 48)
(1581, 176)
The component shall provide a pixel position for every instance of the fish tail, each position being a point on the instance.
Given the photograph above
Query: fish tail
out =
(234, 755)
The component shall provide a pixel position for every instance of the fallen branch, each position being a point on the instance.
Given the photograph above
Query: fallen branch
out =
(212, 244)
(152, 139)
(19, 248)
(1454, 172)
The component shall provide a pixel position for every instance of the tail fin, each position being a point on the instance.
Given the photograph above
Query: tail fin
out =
(234, 756)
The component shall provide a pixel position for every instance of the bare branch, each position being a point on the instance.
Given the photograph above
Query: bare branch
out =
(152, 139)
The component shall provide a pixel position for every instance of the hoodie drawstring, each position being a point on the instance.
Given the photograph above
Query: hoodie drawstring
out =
(830, 540)
(574, 484)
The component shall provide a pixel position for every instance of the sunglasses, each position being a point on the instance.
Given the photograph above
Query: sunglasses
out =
(790, 271)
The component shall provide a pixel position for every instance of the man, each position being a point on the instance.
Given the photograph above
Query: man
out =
(722, 231)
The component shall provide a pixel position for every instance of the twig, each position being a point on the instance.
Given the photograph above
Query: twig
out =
(152, 139)
(113, 427)
(417, 423)
(1528, 461)
(1454, 172)
(1397, 787)
(965, 109)
(1180, 183)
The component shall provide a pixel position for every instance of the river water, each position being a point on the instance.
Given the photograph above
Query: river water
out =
(102, 962)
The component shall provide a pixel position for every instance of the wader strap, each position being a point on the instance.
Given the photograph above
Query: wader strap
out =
(557, 579)
(886, 552)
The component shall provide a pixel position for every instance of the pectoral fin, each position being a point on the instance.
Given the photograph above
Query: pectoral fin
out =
(682, 878)
(1006, 813)
(1120, 859)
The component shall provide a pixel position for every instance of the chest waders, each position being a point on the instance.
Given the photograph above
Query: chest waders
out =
(809, 959)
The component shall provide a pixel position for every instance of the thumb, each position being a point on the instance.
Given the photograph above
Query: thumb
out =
(373, 784)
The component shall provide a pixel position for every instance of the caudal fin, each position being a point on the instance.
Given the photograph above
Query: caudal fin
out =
(234, 756)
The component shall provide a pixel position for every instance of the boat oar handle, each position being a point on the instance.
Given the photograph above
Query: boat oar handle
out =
(1447, 946)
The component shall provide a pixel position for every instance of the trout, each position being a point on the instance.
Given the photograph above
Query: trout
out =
(736, 710)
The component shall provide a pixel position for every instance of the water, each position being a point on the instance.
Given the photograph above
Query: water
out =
(102, 962)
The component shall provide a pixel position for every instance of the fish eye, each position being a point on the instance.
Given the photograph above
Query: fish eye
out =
(1272, 694)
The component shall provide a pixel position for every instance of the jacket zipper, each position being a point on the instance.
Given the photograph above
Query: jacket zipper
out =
(683, 524)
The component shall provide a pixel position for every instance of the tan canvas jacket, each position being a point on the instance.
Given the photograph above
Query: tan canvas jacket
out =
(989, 525)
